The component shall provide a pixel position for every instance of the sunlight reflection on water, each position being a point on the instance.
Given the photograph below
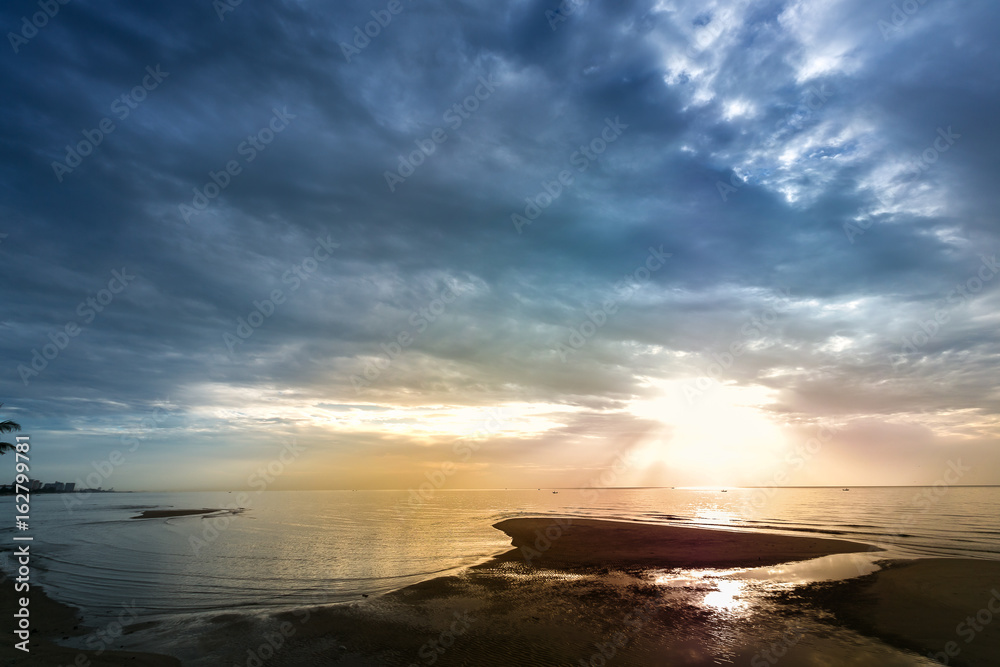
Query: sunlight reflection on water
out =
(736, 590)
(826, 568)
(288, 546)
(728, 596)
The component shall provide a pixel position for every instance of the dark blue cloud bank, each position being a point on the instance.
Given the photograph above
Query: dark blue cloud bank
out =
(375, 227)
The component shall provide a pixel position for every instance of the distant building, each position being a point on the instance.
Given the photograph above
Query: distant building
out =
(38, 485)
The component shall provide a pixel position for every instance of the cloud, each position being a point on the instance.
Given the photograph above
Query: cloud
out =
(771, 148)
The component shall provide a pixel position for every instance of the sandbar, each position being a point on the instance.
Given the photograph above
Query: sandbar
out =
(162, 514)
(587, 591)
(565, 542)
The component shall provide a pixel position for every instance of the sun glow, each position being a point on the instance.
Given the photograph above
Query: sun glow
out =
(717, 435)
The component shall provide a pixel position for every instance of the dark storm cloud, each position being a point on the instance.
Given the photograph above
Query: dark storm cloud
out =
(754, 141)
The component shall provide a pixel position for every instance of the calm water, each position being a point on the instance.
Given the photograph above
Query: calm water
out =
(289, 548)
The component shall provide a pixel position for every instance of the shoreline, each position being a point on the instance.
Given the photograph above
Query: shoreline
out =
(598, 589)
(52, 620)
(943, 608)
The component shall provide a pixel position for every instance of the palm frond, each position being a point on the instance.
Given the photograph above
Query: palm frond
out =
(6, 447)
(6, 426)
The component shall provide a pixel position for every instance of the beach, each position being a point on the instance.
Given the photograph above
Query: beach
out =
(597, 595)
(941, 607)
(574, 591)
(596, 592)
(52, 622)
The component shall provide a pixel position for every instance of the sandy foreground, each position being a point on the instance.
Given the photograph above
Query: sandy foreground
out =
(944, 608)
(596, 593)
(51, 622)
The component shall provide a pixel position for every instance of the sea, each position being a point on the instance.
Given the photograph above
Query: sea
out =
(276, 550)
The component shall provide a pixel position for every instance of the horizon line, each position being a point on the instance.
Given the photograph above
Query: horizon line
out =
(570, 488)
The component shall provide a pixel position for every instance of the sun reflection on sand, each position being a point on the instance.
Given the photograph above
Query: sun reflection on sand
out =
(728, 597)
(825, 568)
(720, 593)
(735, 590)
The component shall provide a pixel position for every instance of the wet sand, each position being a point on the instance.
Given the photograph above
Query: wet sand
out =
(614, 593)
(945, 608)
(605, 603)
(52, 621)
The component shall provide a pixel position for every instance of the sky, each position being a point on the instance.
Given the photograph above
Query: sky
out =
(486, 245)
